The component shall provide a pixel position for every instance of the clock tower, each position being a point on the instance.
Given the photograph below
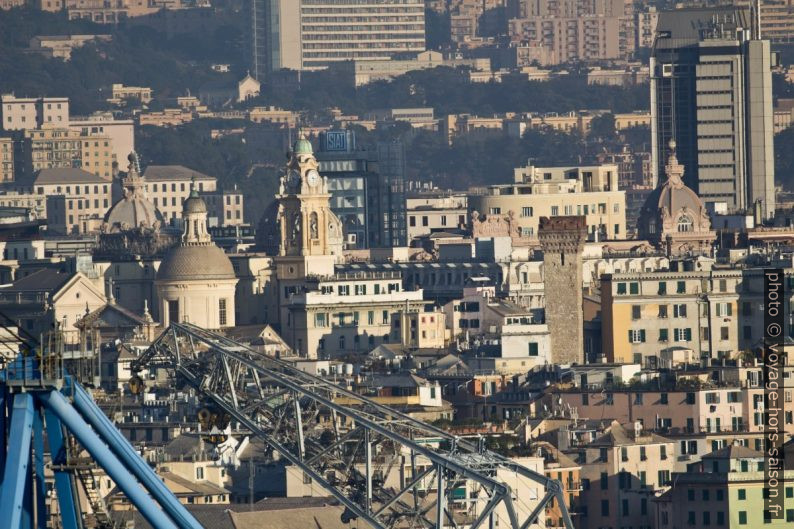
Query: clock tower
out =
(310, 233)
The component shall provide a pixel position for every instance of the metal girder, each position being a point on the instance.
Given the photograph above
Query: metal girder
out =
(355, 448)
(57, 404)
(15, 483)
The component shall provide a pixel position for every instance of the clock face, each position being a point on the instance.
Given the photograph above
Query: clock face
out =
(313, 177)
(294, 178)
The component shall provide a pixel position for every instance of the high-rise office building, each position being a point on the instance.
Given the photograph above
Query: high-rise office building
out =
(312, 34)
(367, 189)
(711, 92)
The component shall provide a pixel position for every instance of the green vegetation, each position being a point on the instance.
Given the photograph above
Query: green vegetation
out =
(448, 91)
(137, 55)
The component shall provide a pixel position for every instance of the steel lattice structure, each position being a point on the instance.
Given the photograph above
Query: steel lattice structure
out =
(384, 466)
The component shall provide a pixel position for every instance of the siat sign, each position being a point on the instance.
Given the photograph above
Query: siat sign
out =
(338, 141)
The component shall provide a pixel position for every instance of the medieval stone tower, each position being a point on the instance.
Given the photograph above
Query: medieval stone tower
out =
(562, 240)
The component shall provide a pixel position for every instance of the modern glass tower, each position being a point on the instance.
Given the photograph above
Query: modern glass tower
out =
(711, 91)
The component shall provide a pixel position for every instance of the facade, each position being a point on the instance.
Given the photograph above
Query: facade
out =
(50, 148)
(646, 317)
(312, 34)
(559, 191)
(6, 159)
(725, 489)
(85, 197)
(121, 93)
(225, 208)
(428, 212)
(711, 92)
(21, 113)
(621, 472)
(120, 132)
(168, 186)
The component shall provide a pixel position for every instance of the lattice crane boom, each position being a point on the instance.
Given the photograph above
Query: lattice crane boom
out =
(384, 466)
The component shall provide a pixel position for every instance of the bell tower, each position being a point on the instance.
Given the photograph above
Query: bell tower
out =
(310, 233)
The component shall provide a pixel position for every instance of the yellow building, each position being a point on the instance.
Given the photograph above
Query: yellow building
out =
(52, 148)
(557, 191)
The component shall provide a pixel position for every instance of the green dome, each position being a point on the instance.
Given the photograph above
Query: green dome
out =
(303, 146)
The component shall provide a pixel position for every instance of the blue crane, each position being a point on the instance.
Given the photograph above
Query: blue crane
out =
(39, 401)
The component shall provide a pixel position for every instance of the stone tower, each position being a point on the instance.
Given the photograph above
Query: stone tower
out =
(310, 233)
(562, 240)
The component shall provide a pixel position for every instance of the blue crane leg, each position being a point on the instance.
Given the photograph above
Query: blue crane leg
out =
(12, 490)
(58, 404)
(122, 448)
(38, 466)
(67, 500)
(3, 400)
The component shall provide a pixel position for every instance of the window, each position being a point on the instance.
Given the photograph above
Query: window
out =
(371, 317)
(636, 312)
(425, 221)
(624, 507)
(222, 312)
(724, 309)
(634, 288)
(691, 517)
(663, 399)
(555, 211)
(497, 211)
(725, 333)
(604, 480)
(742, 494)
(533, 349)
(604, 507)
(320, 319)
(682, 335)
(637, 336)
(662, 311)
(412, 221)
(624, 453)
(385, 317)
(681, 287)
(679, 311)
(526, 212)
(621, 288)
(685, 223)
(663, 335)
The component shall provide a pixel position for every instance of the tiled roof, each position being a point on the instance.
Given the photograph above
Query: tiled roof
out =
(154, 173)
(62, 175)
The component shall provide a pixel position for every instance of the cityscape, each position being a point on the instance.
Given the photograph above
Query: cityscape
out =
(396, 264)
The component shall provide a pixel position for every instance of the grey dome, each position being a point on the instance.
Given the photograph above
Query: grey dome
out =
(195, 262)
(194, 204)
(132, 212)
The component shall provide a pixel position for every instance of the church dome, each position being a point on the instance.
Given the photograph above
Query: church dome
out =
(195, 262)
(194, 204)
(303, 146)
(133, 210)
(674, 215)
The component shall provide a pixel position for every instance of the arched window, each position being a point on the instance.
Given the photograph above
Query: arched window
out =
(685, 223)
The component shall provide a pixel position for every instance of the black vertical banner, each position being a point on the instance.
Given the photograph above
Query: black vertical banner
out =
(774, 436)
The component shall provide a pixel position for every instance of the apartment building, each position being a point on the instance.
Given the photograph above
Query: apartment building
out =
(584, 38)
(120, 132)
(312, 34)
(167, 186)
(685, 408)
(428, 212)
(6, 159)
(21, 113)
(76, 199)
(724, 489)
(590, 191)
(61, 147)
(345, 313)
(622, 470)
(713, 312)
